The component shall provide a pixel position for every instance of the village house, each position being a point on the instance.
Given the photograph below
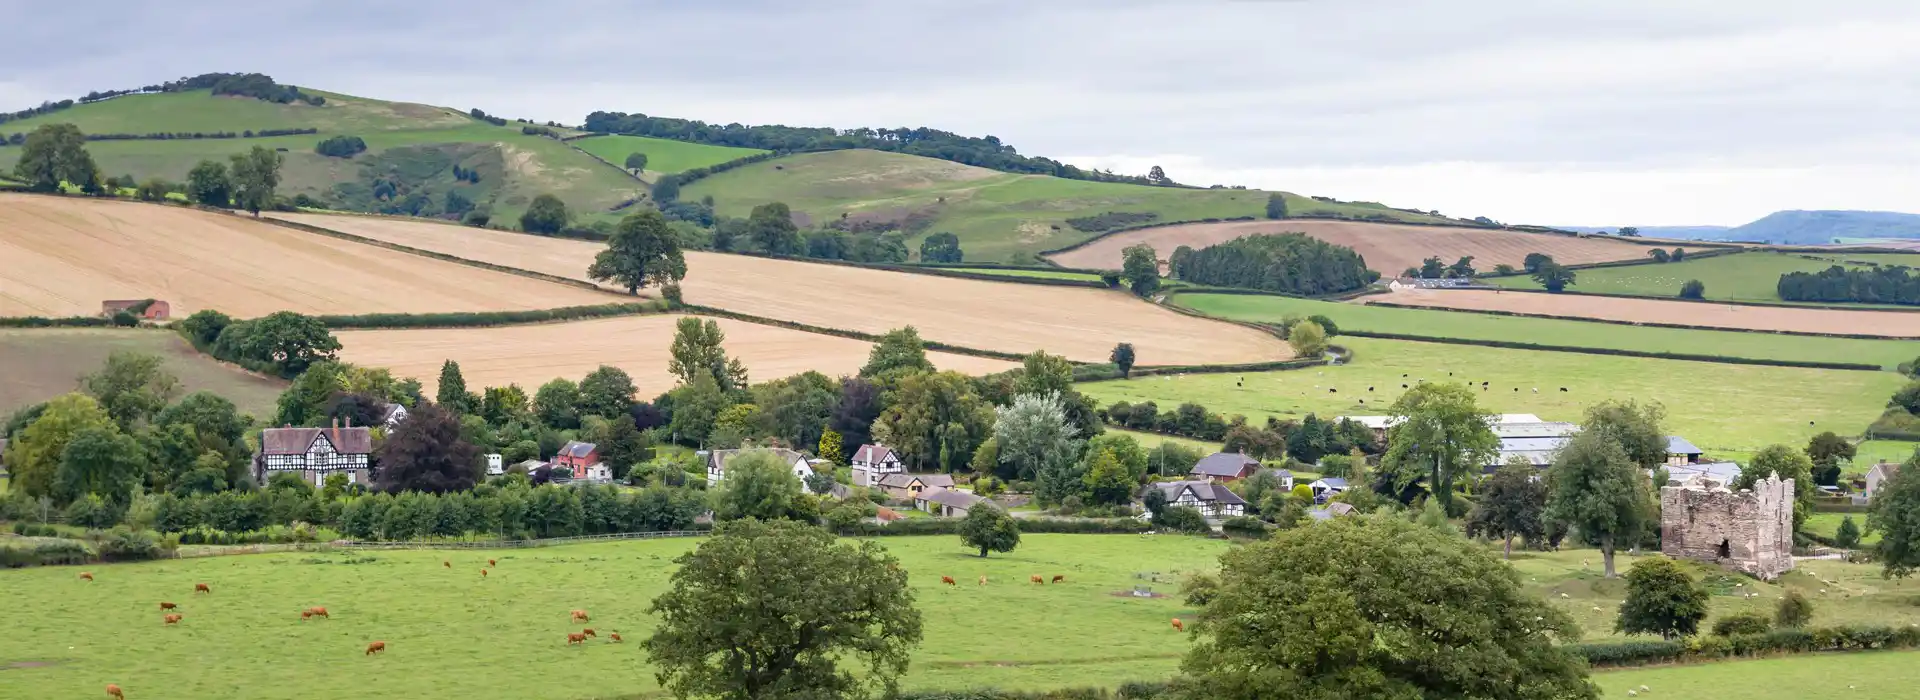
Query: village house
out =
(1877, 476)
(315, 453)
(906, 486)
(496, 464)
(717, 462)
(1285, 477)
(946, 502)
(1224, 467)
(871, 462)
(582, 460)
(146, 309)
(1211, 499)
(1326, 488)
(392, 416)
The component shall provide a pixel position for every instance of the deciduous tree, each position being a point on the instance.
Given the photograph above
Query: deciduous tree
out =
(1794, 610)
(101, 461)
(859, 405)
(1693, 289)
(34, 455)
(1662, 599)
(756, 484)
(1594, 487)
(1308, 339)
(899, 350)
(941, 247)
(1276, 206)
(557, 404)
(989, 529)
(1442, 432)
(697, 349)
(1509, 505)
(636, 161)
(54, 154)
(1894, 512)
(291, 341)
(209, 184)
(1037, 444)
(1141, 268)
(1848, 536)
(1122, 359)
(545, 216)
(936, 420)
(1041, 373)
(256, 174)
(1828, 451)
(1787, 463)
(642, 251)
(427, 453)
(696, 407)
(132, 386)
(606, 392)
(771, 227)
(1554, 276)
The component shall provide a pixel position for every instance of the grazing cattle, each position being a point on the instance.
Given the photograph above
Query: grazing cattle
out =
(1059, 578)
(1331, 390)
(447, 564)
(1563, 389)
(1403, 386)
(483, 573)
(164, 605)
(589, 632)
(947, 580)
(306, 615)
(114, 691)
(319, 611)
(613, 637)
(201, 588)
(1179, 626)
(576, 638)
(1037, 579)
(376, 647)
(86, 576)
(983, 580)
(580, 615)
(171, 619)
(489, 562)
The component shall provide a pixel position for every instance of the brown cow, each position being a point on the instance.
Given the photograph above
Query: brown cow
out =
(201, 588)
(948, 580)
(306, 615)
(581, 615)
(319, 611)
(589, 632)
(114, 691)
(86, 576)
(613, 637)
(1057, 578)
(483, 573)
(170, 619)
(164, 605)
(490, 562)
(1179, 626)
(576, 638)
(983, 580)
(376, 647)
(447, 564)
(1037, 579)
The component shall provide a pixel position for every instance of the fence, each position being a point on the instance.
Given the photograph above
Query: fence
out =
(514, 544)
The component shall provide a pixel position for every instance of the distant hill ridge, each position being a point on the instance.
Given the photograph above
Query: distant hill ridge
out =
(1792, 227)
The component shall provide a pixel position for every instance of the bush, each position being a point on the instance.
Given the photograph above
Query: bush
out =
(127, 545)
(1693, 289)
(53, 553)
(1793, 610)
(1245, 526)
(340, 146)
(1182, 519)
(1742, 623)
(1633, 653)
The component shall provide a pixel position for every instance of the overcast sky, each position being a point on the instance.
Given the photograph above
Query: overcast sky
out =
(1579, 113)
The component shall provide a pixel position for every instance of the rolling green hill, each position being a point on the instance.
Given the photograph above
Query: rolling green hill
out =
(664, 156)
(998, 216)
(414, 146)
(1750, 276)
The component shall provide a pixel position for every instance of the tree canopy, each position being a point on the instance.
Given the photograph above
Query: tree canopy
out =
(255, 175)
(546, 216)
(697, 349)
(988, 528)
(1122, 359)
(427, 452)
(1894, 512)
(54, 154)
(1509, 505)
(1661, 599)
(642, 251)
(936, 420)
(900, 349)
(756, 484)
(1596, 488)
(1442, 432)
(942, 247)
(1141, 268)
(1293, 263)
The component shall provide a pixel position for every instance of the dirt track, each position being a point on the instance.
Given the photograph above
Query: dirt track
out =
(1388, 248)
(533, 355)
(62, 256)
(1082, 324)
(1892, 324)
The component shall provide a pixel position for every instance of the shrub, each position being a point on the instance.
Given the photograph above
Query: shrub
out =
(1245, 526)
(1632, 653)
(1693, 289)
(1182, 519)
(127, 545)
(1742, 623)
(340, 146)
(1793, 610)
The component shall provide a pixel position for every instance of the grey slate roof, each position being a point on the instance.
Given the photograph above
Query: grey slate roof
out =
(577, 449)
(1723, 472)
(1677, 445)
(872, 453)
(950, 498)
(901, 480)
(1334, 482)
(1206, 491)
(295, 441)
(1223, 464)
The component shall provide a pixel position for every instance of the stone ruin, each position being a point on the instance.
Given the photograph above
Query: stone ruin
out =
(1750, 530)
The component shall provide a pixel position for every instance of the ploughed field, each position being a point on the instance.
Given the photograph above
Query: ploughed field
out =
(452, 634)
(1081, 324)
(62, 256)
(1388, 248)
(1888, 324)
(535, 354)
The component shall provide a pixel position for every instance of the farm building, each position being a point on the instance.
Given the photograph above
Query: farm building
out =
(909, 486)
(717, 462)
(1224, 467)
(1504, 424)
(873, 461)
(945, 502)
(1681, 452)
(1211, 499)
(1877, 476)
(148, 309)
(1400, 283)
(1750, 531)
(1723, 472)
(1331, 511)
(315, 453)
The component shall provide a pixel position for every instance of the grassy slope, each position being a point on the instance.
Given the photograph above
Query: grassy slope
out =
(44, 363)
(997, 215)
(449, 632)
(1751, 276)
(1880, 675)
(664, 156)
(514, 169)
(1707, 403)
(1468, 325)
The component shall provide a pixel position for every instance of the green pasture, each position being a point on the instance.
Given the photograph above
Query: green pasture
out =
(1152, 440)
(43, 363)
(1869, 452)
(998, 216)
(664, 156)
(1879, 675)
(200, 110)
(451, 633)
(1611, 336)
(1749, 276)
(1901, 259)
(1828, 524)
(1730, 410)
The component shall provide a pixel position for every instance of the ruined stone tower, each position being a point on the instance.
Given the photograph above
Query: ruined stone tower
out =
(1750, 530)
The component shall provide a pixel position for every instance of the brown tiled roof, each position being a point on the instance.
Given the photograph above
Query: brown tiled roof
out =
(293, 441)
(872, 453)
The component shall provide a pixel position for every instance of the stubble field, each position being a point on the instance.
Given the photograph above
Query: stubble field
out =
(533, 355)
(1886, 324)
(62, 256)
(1081, 324)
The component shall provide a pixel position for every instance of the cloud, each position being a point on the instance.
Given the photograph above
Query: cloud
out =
(1633, 111)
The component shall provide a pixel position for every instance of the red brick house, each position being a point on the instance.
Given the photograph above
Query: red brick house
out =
(148, 309)
(579, 457)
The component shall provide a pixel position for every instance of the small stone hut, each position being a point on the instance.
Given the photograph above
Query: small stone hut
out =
(1750, 530)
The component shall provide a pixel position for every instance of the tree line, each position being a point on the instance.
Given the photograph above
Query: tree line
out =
(20, 138)
(205, 81)
(1889, 284)
(1292, 263)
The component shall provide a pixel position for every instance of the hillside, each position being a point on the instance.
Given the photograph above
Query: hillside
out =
(999, 217)
(1748, 276)
(664, 156)
(413, 148)
(1796, 227)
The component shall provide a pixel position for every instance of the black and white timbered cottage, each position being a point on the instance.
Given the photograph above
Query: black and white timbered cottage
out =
(315, 453)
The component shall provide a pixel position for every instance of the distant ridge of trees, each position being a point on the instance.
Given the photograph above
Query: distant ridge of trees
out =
(984, 151)
(255, 85)
(1891, 284)
(1293, 263)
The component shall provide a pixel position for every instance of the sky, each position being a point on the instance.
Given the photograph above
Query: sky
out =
(1603, 113)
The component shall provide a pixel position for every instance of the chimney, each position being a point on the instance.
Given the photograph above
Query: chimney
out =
(336, 433)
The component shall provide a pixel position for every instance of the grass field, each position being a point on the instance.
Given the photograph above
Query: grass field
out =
(1889, 324)
(1442, 323)
(1151, 440)
(1081, 324)
(1880, 675)
(527, 355)
(998, 216)
(65, 255)
(1748, 276)
(1388, 249)
(1871, 451)
(200, 110)
(451, 633)
(1707, 403)
(1829, 524)
(42, 363)
(664, 156)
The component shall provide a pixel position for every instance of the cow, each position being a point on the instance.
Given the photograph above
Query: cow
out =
(483, 573)
(589, 632)
(306, 615)
(1179, 626)
(113, 691)
(490, 562)
(319, 611)
(1059, 578)
(86, 576)
(447, 564)
(576, 638)
(580, 615)
(613, 637)
(947, 580)
(983, 580)
(1563, 390)
(1037, 579)
(171, 619)
(375, 647)
(202, 588)
(164, 605)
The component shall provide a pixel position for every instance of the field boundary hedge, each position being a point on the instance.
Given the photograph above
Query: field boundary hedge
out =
(1762, 304)
(1772, 643)
(935, 271)
(1516, 345)
(487, 319)
(55, 322)
(309, 228)
(1708, 252)
(1649, 324)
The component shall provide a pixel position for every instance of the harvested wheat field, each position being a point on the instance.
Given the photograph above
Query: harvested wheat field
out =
(62, 256)
(1887, 324)
(533, 355)
(1388, 248)
(1082, 324)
